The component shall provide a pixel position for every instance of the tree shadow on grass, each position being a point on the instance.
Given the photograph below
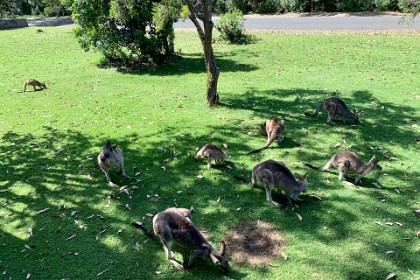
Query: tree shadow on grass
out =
(51, 187)
(55, 171)
(179, 65)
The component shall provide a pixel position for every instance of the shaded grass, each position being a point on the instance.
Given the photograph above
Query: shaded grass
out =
(50, 140)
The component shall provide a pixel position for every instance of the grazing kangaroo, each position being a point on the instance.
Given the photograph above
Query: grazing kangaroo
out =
(347, 162)
(336, 107)
(111, 157)
(211, 152)
(273, 128)
(275, 174)
(175, 224)
(34, 83)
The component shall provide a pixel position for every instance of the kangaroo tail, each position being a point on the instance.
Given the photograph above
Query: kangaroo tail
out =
(256, 151)
(270, 140)
(240, 178)
(311, 166)
(140, 226)
(323, 169)
(319, 108)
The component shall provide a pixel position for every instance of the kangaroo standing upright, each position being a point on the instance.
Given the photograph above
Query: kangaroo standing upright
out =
(34, 84)
(273, 128)
(336, 107)
(111, 157)
(347, 162)
(275, 174)
(175, 224)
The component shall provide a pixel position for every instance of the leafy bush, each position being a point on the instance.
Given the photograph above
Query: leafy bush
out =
(231, 28)
(125, 31)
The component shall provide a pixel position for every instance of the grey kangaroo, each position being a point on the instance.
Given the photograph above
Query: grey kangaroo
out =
(336, 107)
(211, 152)
(175, 224)
(34, 84)
(111, 157)
(275, 174)
(273, 128)
(347, 162)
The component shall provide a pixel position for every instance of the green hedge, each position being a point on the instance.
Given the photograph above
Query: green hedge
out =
(298, 6)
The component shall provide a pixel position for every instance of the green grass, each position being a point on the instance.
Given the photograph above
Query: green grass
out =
(50, 140)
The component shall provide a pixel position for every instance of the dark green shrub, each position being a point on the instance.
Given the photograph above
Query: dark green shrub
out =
(231, 27)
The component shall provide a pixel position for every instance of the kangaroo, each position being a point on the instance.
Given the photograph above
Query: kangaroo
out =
(111, 157)
(34, 83)
(275, 174)
(336, 106)
(348, 162)
(273, 128)
(175, 224)
(211, 152)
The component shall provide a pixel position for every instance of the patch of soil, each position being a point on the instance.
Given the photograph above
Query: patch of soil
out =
(254, 243)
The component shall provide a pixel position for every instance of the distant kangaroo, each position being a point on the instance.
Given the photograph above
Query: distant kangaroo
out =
(175, 224)
(211, 152)
(33, 83)
(336, 107)
(347, 162)
(273, 128)
(275, 174)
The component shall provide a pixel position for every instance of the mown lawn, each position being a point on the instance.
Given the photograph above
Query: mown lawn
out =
(50, 140)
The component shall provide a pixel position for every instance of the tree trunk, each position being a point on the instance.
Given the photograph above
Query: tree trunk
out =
(211, 67)
(206, 35)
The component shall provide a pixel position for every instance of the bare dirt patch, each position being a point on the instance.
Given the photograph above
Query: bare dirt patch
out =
(254, 243)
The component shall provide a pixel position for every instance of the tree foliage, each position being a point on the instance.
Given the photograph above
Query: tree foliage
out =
(125, 30)
(10, 8)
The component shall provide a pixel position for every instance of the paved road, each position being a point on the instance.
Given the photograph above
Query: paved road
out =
(50, 21)
(335, 22)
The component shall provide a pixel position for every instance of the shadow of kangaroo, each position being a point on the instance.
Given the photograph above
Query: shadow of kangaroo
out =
(347, 162)
(273, 128)
(336, 107)
(175, 224)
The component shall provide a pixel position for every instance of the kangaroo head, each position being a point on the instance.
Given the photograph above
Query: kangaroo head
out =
(355, 116)
(374, 163)
(219, 258)
(302, 181)
(106, 152)
(43, 84)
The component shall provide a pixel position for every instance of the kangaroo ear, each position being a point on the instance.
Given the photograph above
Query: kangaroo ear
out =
(282, 122)
(222, 245)
(305, 176)
(108, 144)
(297, 176)
(373, 158)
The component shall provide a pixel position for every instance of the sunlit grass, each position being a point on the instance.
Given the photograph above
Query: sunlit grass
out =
(50, 140)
